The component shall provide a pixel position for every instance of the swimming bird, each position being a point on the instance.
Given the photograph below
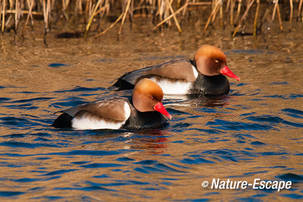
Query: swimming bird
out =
(144, 110)
(202, 75)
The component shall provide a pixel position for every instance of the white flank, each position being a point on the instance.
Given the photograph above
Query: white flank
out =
(195, 71)
(91, 123)
(126, 111)
(173, 87)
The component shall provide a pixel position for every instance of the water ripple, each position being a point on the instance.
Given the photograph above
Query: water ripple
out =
(291, 177)
(15, 144)
(81, 89)
(102, 165)
(237, 126)
(87, 152)
(154, 166)
(10, 193)
(59, 172)
(295, 113)
(273, 120)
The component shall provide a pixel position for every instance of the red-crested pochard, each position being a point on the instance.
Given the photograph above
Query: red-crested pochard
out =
(144, 110)
(203, 76)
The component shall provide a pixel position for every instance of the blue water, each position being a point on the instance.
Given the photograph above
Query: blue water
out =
(254, 132)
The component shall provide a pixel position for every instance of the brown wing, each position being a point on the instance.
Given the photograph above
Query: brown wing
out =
(109, 110)
(175, 69)
(181, 69)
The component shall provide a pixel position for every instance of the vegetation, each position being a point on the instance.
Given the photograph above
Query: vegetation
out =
(19, 14)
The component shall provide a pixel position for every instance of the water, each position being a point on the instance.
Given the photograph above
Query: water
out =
(255, 132)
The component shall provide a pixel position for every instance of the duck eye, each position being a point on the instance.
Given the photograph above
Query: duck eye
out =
(155, 99)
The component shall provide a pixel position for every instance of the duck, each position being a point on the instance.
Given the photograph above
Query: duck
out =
(144, 110)
(204, 75)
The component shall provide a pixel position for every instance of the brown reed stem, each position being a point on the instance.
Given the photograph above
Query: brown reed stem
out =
(238, 10)
(250, 3)
(299, 8)
(93, 14)
(87, 7)
(111, 26)
(17, 14)
(185, 10)
(277, 10)
(199, 3)
(279, 17)
(30, 5)
(232, 6)
(3, 15)
(24, 12)
(65, 4)
(79, 7)
(228, 4)
(212, 14)
(124, 16)
(221, 16)
(174, 16)
(169, 17)
(46, 14)
(274, 11)
(256, 18)
(218, 3)
(291, 5)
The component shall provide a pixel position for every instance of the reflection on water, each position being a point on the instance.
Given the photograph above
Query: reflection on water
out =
(254, 132)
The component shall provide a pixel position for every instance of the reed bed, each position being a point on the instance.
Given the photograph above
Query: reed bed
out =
(18, 15)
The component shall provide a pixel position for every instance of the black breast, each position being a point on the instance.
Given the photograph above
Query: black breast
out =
(211, 85)
(145, 120)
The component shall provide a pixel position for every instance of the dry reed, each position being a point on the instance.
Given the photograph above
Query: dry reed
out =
(94, 13)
